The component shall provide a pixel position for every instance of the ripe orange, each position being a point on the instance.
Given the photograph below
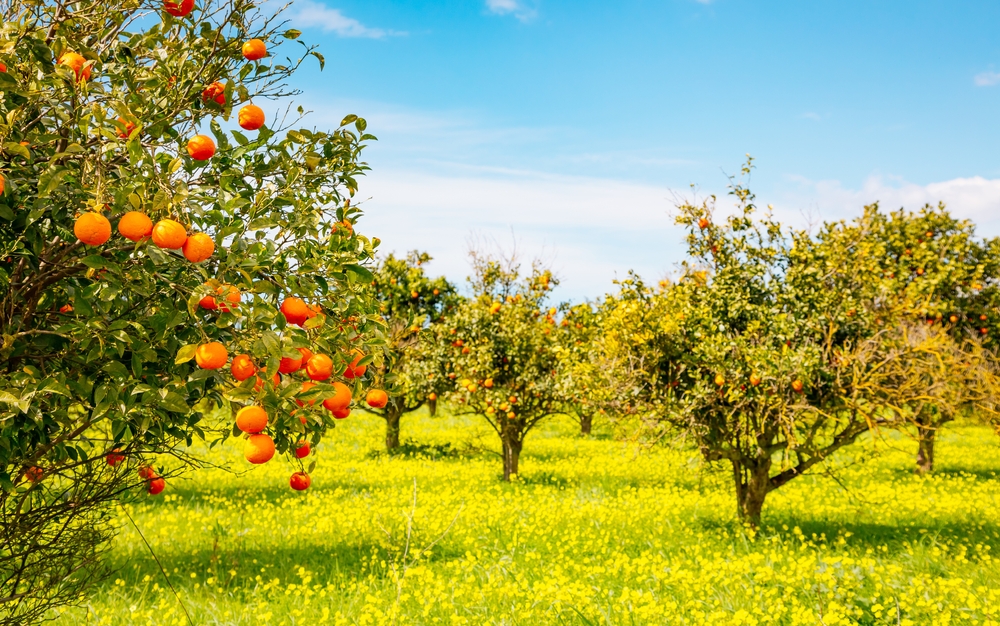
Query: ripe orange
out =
(953, 319)
(230, 301)
(354, 370)
(290, 365)
(129, 127)
(982, 318)
(341, 400)
(169, 234)
(3, 68)
(377, 398)
(342, 413)
(258, 449)
(295, 310)
(34, 474)
(251, 117)
(720, 380)
(114, 457)
(135, 226)
(242, 367)
(156, 486)
(797, 385)
(201, 147)
(92, 229)
(254, 49)
(147, 473)
(319, 367)
(754, 380)
(66, 308)
(306, 386)
(259, 384)
(432, 397)
(215, 92)
(1, 184)
(178, 8)
(703, 223)
(76, 63)
(211, 355)
(306, 355)
(300, 481)
(251, 419)
(302, 449)
(198, 247)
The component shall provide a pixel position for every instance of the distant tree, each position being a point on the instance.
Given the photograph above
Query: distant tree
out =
(505, 352)
(411, 303)
(774, 349)
(584, 379)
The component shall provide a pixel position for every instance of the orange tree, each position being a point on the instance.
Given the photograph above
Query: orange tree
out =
(584, 376)
(503, 352)
(143, 242)
(771, 350)
(933, 266)
(411, 302)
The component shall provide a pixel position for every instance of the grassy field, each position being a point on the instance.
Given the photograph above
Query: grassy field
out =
(594, 532)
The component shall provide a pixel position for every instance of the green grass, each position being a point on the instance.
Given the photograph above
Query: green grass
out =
(594, 532)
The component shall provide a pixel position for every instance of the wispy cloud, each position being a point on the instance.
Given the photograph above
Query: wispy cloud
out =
(809, 115)
(511, 7)
(309, 14)
(987, 79)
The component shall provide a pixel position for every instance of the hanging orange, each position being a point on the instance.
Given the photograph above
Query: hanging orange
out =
(377, 398)
(135, 226)
(178, 8)
(216, 92)
(201, 147)
(242, 367)
(341, 400)
(300, 481)
(319, 367)
(77, 63)
(211, 355)
(169, 234)
(156, 486)
(289, 365)
(295, 310)
(251, 117)
(92, 229)
(254, 50)
(259, 449)
(198, 247)
(251, 419)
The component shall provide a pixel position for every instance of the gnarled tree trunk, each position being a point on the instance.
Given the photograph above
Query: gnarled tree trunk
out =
(753, 482)
(512, 443)
(925, 449)
(432, 406)
(586, 422)
(393, 414)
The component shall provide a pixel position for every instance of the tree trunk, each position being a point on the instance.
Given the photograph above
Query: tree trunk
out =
(511, 454)
(586, 422)
(925, 450)
(753, 481)
(393, 414)
(432, 406)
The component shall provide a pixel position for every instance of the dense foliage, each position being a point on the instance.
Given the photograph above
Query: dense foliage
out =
(114, 349)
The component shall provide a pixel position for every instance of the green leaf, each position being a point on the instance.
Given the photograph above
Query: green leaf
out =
(185, 354)
(49, 180)
(175, 403)
(291, 33)
(322, 61)
(94, 261)
(362, 274)
(16, 149)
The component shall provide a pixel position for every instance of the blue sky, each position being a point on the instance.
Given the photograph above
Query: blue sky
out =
(572, 127)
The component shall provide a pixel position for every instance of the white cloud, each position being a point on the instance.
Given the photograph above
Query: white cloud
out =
(811, 116)
(975, 198)
(515, 7)
(309, 14)
(987, 79)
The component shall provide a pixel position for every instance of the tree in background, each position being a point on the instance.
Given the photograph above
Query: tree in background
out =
(411, 302)
(505, 352)
(773, 349)
(142, 246)
(932, 264)
(584, 381)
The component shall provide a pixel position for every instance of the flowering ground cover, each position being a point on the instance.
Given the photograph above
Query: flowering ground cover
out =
(593, 531)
